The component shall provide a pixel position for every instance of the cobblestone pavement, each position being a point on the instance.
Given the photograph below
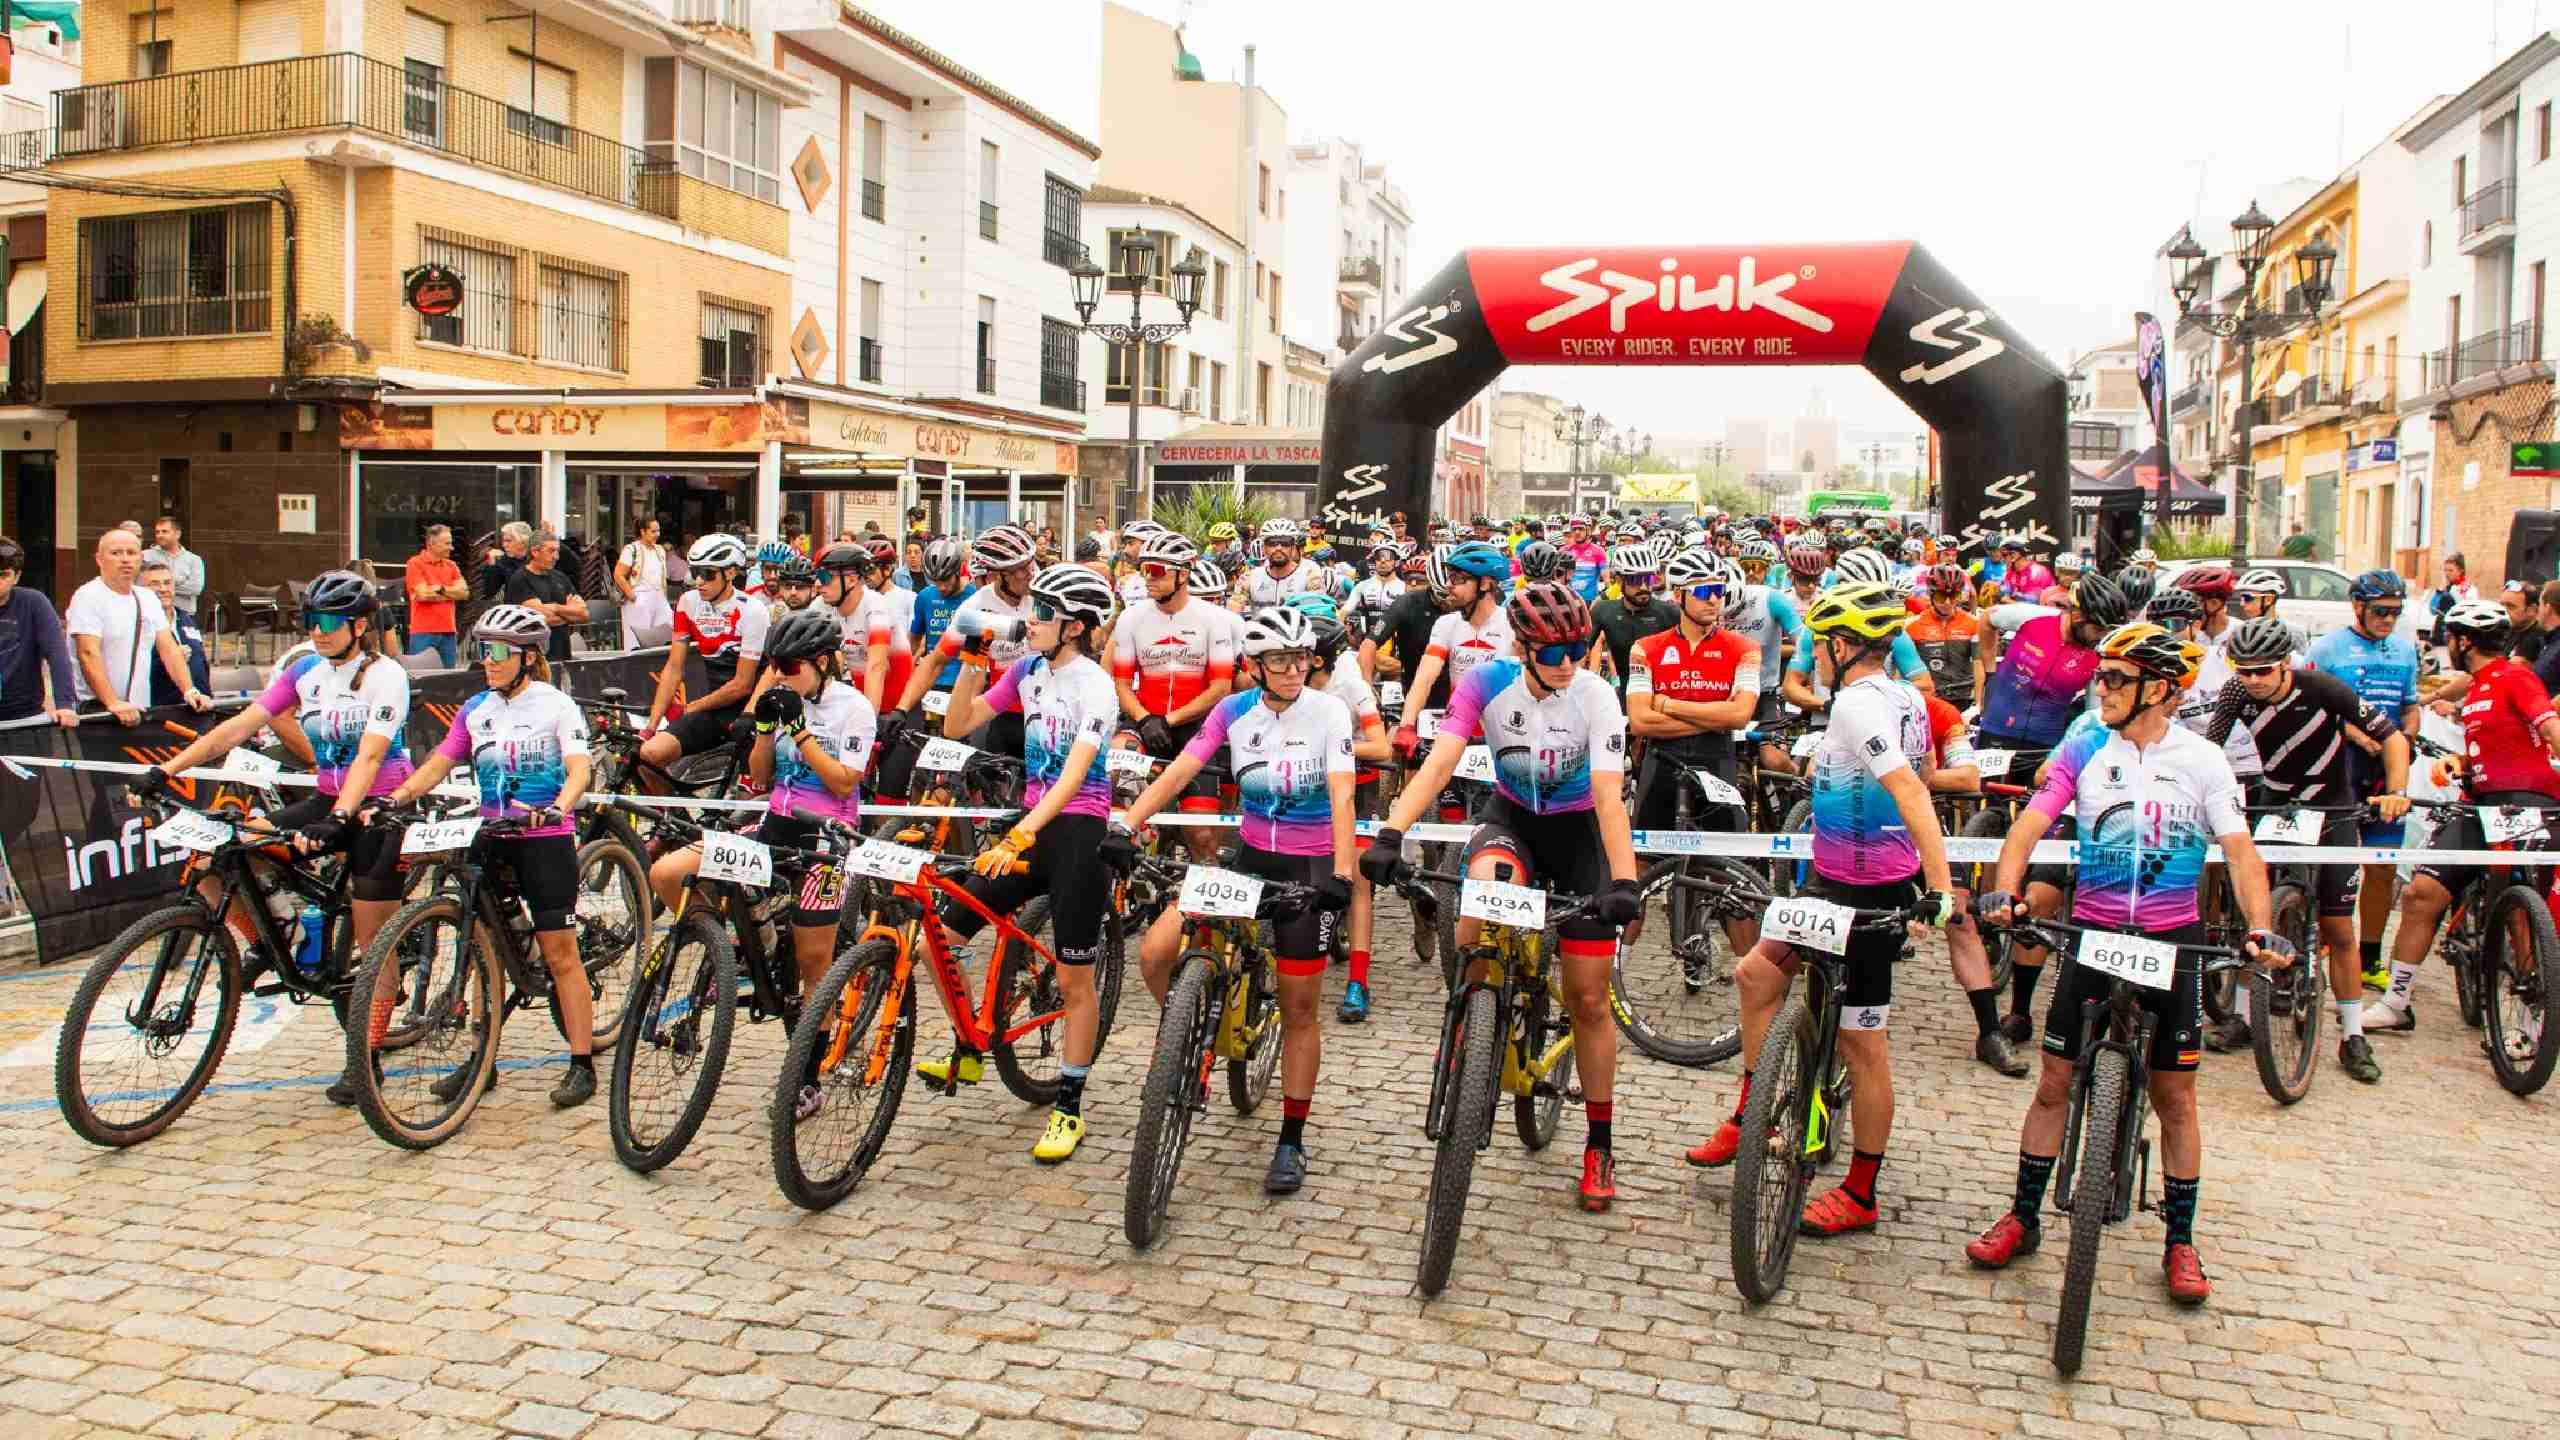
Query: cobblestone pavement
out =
(267, 1267)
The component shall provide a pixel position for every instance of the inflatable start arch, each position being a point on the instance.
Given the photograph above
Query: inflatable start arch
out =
(1997, 405)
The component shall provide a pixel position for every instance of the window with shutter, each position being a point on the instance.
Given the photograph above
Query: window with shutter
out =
(486, 320)
(269, 30)
(423, 57)
(544, 114)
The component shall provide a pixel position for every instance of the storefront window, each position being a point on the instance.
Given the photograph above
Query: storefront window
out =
(1297, 502)
(402, 498)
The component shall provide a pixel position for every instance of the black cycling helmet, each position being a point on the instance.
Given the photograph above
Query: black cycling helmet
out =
(2263, 641)
(1542, 561)
(2101, 602)
(2174, 606)
(846, 558)
(1089, 549)
(339, 592)
(2138, 587)
(805, 635)
(793, 570)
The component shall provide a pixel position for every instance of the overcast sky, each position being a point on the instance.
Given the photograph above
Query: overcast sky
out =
(2042, 151)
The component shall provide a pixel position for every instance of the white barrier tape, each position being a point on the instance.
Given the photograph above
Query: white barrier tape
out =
(451, 789)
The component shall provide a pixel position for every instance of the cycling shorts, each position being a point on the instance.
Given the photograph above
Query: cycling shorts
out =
(1658, 783)
(2177, 1013)
(1299, 944)
(372, 851)
(2335, 888)
(822, 886)
(700, 730)
(1564, 850)
(2462, 832)
(1066, 865)
(2058, 876)
(546, 874)
(1866, 1002)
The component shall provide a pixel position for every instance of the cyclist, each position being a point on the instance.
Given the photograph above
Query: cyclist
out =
(1283, 572)
(1876, 843)
(877, 659)
(1066, 708)
(1133, 538)
(2144, 559)
(526, 744)
(1769, 620)
(2256, 595)
(1558, 811)
(1954, 770)
(1539, 560)
(1476, 630)
(1590, 559)
(727, 629)
(1292, 745)
(351, 703)
(1375, 595)
(2381, 666)
(1172, 662)
(2307, 724)
(928, 610)
(791, 583)
(1807, 563)
(2509, 736)
(1804, 688)
(2151, 797)
(1368, 747)
(1636, 612)
(992, 622)
(2020, 577)
(1688, 689)
(1948, 636)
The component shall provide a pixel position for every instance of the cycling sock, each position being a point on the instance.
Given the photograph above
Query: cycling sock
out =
(1861, 1183)
(1359, 967)
(2022, 987)
(1071, 1088)
(2404, 979)
(1598, 1112)
(1742, 1099)
(2178, 1208)
(2351, 1018)
(1293, 1121)
(2371, 953)
(582, 1062)
(1986, 1008)
(2034, 1173)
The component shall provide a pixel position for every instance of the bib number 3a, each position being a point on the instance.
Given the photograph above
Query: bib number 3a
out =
(1522, 907)
(1208, 890)
(1818, 924)
(736, 858)
(2152, 964)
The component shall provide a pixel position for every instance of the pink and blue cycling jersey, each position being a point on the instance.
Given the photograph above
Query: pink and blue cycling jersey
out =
(2040, 684)
(1878, 727)
(1545, 749)
(518, 748)
(1073, 704)
(2146, 817)
(337, 711)
(1282, 761)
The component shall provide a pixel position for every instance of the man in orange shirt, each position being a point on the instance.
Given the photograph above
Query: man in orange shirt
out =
(1948, 638)
(434, 583)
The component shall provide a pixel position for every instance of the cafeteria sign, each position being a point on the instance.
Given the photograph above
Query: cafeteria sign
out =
(432, 290)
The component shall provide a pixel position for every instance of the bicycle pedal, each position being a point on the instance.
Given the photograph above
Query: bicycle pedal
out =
(272, 987)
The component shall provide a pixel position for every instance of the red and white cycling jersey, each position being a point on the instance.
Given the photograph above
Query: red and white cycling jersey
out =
(722, 634)
(875, 621)
(1169, 659)
(2502, 715)
(1462, 646)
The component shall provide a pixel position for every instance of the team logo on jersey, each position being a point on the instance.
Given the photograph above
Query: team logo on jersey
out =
(1514, 718)
(1617, 743)
(1875, 745)
(1253, 741)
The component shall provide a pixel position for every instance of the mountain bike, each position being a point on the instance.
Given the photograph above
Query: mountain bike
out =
(1223, 1003)
(2287, 1007)
(857, 1028)
(467, 960)
(2104, 1170)
(619, 770)
(2500, 941)
(1674, 999)
(1800, 1089)
(674, 1041)
(127, 1065)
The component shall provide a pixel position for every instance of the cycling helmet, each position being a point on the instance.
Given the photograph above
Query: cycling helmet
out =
(2206, 582)
(1282, 531)
(944, 559)
(1167, 547)
(1692, 567)
(1001, 548)
(845, 558)
(2260, 582)
(1139, 529)
(2101, 602)
(2263, 641)
(1278, 628)
(1808, 559)
(1914, 548)
(2155, 652)
(1863, 610)
(1949, 580)
(339, 592)
(1862, 566)
(2483, 622)
(2378, 585)
(883, 549)
(1757, 547)
(805, 635)
(1481, 559)
(2174, 606)
(515, 625)
(1089, 549)
(717, 552)
(2010, 542)
(2069, 562)
(1626, 560)
(792, 569)
(1208, 581)
(1411, 568)
(1076, 592)
(1542, 561)
(1313, 605)
(773, 552)
(2144, 556)
(1222, 532)
(2138, 587)
(1664, 544)
(1547, 613)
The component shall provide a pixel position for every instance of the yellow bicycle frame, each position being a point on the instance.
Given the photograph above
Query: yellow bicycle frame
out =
(1504, 951)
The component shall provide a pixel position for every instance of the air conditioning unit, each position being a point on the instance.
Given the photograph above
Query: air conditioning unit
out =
(1188, 402)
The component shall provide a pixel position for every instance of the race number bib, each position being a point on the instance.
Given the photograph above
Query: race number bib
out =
(1806, 744)
(937, 703)
(883, 860)
(1521, 907)
(1476, 763)
(1390, 694)
(1817, 924)
(736, 858)
(1427, 725)
(2298, 827)
(1993, 763)
(1716, 790)
(192, 830)
(1128, 762)
(2508, 822)
(438, 836)
(1208, 890)
(2152, 964)
(250, 762)
(940, 754)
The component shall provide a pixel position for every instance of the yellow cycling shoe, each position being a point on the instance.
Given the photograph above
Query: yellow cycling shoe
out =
(972, 1068)
(1060, 1141)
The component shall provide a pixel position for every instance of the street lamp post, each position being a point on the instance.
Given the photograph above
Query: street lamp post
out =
(1582, 432)
(1137, 267)
(1924, 490)
(2314, 266)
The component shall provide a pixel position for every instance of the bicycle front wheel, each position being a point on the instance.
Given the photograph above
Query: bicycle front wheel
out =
(1772, 1171)
(1672, 991)
(2093, 1198)
(674, 1043)
(2285, 1007)
(147, 1027)
(1170, 1100)
(2515, 991)
(612, 925)
(1475, 1050)
(428, 975)
(841, 1080)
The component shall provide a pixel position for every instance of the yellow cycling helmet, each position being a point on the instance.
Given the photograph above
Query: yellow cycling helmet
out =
(2155, 652)
(1869, 610)
(1222, 532)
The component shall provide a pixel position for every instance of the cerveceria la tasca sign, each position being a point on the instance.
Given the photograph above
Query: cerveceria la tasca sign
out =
(432, 290)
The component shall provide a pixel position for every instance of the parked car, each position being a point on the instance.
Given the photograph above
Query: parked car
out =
(2315, 595)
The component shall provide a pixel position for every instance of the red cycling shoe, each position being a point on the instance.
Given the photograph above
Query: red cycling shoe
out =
(1837, 1212)
(2006, 1240)
(2183, 1268)
(1717, 1150)
(1599, 1180)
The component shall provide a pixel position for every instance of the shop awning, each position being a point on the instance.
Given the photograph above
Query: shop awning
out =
(1242, 445)
(26, 295)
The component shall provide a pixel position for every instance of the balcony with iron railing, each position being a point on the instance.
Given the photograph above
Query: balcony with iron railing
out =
(2486, 208)
(1060, 248)
(351, 91)
(1061, 392)
(1359, 272)
(2484, 354)
(22, 148)
(2188, 398)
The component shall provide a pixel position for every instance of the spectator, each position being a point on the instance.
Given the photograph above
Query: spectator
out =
(640, 578)
(184, 564)
(869, 529)
(540, 586)
(2546, 667)
(795, 531)
(2298, 546)
(133, 525)
(160, 578)
(433, 584)
(31, 648)
(499, 564)
(909, 575)
(116, 631)
(2526, 617)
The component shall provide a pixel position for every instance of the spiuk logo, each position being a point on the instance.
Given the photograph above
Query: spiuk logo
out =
(1740, 291)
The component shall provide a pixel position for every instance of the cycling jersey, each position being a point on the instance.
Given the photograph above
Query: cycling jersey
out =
(983, 609)
(2039, 683)
(1371, 598)
(1463, 647)
(1346, 684)
(1133, 589)
(1168, 660)
(1720, 667)
(518, 748)
(1878, 726)
(722, 634)
(1262, 589)
(1589, 560)
(2195, 710)
(1765, 617)
(1950, 748)
(2502, 715)
(875, 621)
(1282, 759)
(2025, 580)
(1547, 751)
(844, 724)
(2146, 816)
(2383, 673)
(2301, 738)
(1061, 709)
(1948, 648)
(1407, 631)
(1621, 625)
(929, 616)
(1903, 660)
(337, 710)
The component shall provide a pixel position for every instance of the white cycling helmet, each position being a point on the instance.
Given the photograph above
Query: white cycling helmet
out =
(1166, 547)
(1208, 580)
(2260, 582)
(1692, 567)
(1862, 566)
(1633, 559)
(1664, 544)
(2069, 562)
(1076, 593)
(1282, 531)
(516, 625)
(1001, 548)
(2144, 556)
(717, 552)
(1280, 627)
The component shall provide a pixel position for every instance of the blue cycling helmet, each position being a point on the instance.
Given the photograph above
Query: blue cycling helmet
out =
(773, 552)
(1314, 606)
(1481, 559)
(2378, 585)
